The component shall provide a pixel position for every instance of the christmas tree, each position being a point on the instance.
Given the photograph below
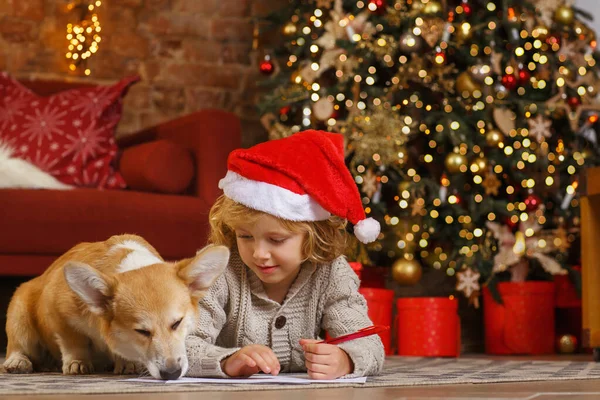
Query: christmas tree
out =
(468, 124)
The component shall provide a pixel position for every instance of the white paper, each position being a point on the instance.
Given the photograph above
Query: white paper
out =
(293, 379)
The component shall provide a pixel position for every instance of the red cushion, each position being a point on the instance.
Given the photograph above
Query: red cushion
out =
(69, 135)
(161, 166)
(49, 222)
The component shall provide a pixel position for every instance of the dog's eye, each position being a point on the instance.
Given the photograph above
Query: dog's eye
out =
(144, 332)
(176, 324)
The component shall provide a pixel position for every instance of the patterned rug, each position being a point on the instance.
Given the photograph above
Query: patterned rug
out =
(398, 371)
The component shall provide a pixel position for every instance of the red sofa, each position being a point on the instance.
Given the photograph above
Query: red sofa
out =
(37, 226)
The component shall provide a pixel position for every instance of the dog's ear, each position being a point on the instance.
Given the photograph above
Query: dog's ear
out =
(201, 271)
(93, 287)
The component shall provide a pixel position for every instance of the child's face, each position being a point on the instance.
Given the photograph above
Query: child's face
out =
(271, 251)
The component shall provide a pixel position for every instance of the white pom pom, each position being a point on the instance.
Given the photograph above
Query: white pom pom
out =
(367, 230)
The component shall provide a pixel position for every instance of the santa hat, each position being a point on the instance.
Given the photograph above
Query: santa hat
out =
(299, 178)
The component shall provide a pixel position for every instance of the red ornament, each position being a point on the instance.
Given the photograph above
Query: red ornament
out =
(509, 222)
(524, 77)
(509, 81)
(284, 110)
(266, 66)
(466, 8)
(440, 57)
(574, 101)
(532, 202)
(377, 6)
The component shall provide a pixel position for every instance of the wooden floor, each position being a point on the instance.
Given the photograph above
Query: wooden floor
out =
(553, 390)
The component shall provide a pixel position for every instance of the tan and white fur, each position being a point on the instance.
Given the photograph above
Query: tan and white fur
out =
(109, 302)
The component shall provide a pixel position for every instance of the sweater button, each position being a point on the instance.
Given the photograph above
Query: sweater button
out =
(280, 322)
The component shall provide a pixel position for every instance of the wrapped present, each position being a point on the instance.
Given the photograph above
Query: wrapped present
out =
(428, 326)
(374, 277)
(356, 267)
(380, 303)
(566, 293)
(524, 323)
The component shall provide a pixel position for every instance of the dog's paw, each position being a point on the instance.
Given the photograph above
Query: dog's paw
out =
(18, 364)
(77, 367)
(123, 367)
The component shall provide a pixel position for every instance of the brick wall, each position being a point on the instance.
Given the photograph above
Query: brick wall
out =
(191, 54)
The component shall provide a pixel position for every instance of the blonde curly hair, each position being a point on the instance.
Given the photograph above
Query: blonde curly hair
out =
(324, 241)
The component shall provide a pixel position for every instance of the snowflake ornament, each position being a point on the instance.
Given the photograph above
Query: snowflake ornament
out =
(539, 128)
(568, 50)
(491, 184)
(468, 282)
(369, 186)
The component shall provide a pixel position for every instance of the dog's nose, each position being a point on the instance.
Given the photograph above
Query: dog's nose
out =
(170, 374)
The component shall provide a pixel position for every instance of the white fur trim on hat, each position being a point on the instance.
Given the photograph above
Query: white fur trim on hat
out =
(367, 230)
(272, 199)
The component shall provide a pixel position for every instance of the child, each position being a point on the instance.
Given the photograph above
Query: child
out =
(283, 215)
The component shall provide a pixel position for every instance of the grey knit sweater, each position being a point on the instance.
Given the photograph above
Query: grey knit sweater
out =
(237, 312)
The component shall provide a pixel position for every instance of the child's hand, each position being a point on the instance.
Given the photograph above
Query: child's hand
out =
(325, 361)
(250, 360)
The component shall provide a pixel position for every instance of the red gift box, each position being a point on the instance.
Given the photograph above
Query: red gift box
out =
(428, 326)
(380, 303)
(566, 293)
(356, 267)
(524, 324)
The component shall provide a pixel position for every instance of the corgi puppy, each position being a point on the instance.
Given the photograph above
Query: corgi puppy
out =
(109, 302)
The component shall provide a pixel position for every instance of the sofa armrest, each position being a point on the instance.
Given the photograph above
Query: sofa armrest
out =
(209, 134)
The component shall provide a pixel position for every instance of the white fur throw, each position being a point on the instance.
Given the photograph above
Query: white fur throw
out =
(18, 173)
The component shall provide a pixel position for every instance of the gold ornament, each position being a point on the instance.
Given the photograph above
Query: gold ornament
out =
(456, 163)
(466, 85)
(479, 165)
(432, 7)
(567, 344)
(406, 272)
(564, 15)
(289, 29)
(494, 137)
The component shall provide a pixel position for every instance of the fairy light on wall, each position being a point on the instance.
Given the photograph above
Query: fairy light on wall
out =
(84, 36)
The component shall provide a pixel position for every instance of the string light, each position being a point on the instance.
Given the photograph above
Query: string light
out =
(84, 36)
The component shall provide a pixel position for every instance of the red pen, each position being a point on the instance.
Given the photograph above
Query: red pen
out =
(371, 330)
